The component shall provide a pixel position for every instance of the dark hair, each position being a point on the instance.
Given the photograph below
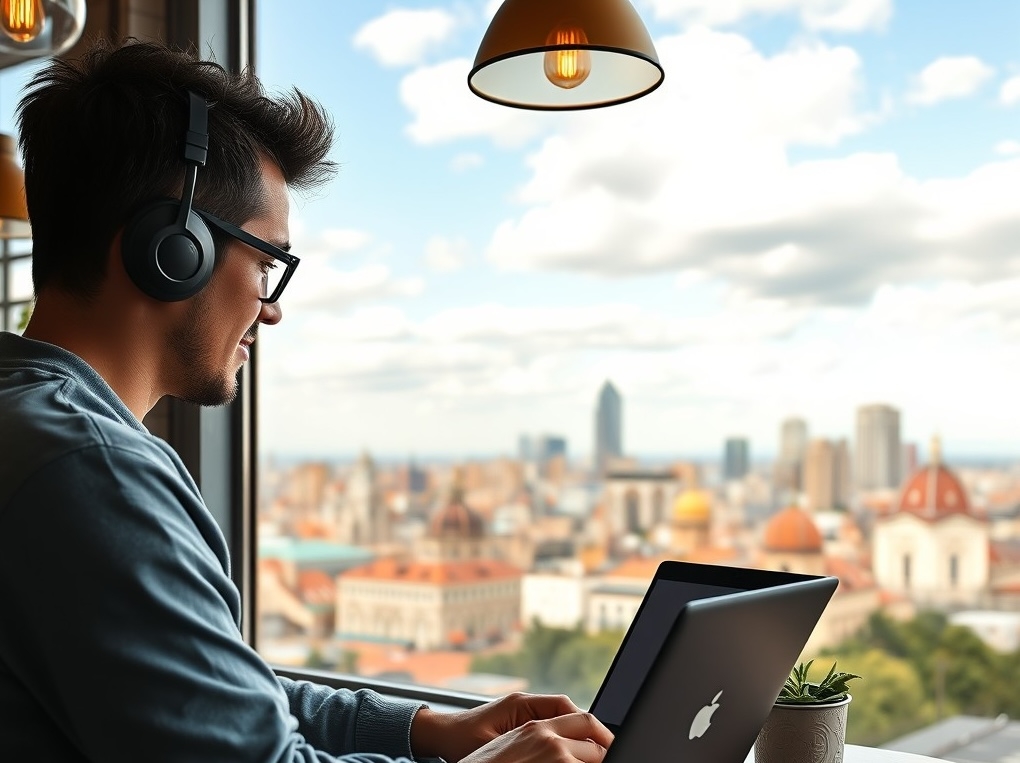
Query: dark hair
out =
(102, 136)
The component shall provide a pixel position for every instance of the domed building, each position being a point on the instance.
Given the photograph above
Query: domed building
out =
(793, 543)
(691, 521)
(932, 547)
(455, 531)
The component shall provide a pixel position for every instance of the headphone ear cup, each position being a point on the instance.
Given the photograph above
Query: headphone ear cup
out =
(166, 261)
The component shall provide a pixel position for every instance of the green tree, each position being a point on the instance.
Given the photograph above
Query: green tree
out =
(316, 660)
(888, 701)
(557, 660)
(582, 663)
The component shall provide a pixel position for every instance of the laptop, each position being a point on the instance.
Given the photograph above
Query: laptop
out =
(704, 659)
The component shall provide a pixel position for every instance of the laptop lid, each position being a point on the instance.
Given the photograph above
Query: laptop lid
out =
(673, 586)
(717, 675)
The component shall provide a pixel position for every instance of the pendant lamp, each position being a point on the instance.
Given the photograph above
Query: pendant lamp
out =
(13, 211)
(558, 55)
(36, 28)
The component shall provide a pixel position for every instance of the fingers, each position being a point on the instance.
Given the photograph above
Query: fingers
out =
(583, 727)
(586, 751)
(573, 738)
(544, 705)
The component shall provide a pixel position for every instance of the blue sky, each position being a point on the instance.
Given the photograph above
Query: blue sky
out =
(818, 209)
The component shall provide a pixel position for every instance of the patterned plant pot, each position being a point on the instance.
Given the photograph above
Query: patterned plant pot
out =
(803, 734)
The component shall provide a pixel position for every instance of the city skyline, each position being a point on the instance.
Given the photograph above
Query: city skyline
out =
(759, 453)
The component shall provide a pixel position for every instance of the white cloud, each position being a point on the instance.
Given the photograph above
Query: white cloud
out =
(1009, 93)
(494, 342)
(804, 94)
(404, 37)
(444, 109)
(445, 255)
(834, 15)
(323, 286)
(949, 77)
(345, 239)
(685, 377)
(466, 162)
(1007, 147)
(697, 176)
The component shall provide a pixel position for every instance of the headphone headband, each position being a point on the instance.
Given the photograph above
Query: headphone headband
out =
(196, 139)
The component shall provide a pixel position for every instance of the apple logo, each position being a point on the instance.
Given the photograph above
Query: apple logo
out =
(704, 718)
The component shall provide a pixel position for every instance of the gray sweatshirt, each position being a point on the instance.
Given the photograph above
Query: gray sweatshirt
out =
(119, 623)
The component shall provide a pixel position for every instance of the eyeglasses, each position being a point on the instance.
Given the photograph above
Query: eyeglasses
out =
(274, 279)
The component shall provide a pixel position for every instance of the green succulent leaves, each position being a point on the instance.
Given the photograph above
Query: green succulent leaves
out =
(798, 690)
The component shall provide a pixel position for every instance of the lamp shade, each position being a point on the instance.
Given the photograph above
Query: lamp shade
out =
(558, 55)
(36, 28)
(13, 211)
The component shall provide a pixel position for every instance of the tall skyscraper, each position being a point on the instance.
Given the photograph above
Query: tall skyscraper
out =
(827, 475)
(736, 458)
(878, 449)
(550, 446)
(608, 427)
(793, 438)
(541, 450)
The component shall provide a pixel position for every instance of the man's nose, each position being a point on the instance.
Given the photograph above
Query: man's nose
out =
(271, 313)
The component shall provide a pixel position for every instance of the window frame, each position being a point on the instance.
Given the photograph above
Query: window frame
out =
(7, 303)
(220, 445)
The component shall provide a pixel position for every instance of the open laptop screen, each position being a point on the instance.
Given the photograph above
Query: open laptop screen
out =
(674, 585)
(659, 609)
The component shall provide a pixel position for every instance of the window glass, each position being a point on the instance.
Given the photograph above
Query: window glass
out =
(15, 254)
(765, 316)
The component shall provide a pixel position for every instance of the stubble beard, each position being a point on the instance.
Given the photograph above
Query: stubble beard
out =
(199, 382)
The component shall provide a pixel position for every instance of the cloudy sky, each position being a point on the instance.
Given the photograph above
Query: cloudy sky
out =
(819, 208)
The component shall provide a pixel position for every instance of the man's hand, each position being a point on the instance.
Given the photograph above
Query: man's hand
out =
(574, 738)
(454, 736)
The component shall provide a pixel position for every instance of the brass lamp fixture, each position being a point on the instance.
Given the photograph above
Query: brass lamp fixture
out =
(35, 28)
(560, 55)
(13, 211)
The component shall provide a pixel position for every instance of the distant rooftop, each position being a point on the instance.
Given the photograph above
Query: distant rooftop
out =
(311, 550)
(964, 739)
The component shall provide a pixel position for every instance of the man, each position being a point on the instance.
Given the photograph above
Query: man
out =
(157, 187)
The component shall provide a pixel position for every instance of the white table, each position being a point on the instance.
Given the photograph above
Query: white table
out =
(856, 754)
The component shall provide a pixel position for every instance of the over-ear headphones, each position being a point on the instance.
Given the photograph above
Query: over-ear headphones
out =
(167, 249)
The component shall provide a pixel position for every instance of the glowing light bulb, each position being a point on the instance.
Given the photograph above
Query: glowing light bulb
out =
(567, 68)
(22, 20)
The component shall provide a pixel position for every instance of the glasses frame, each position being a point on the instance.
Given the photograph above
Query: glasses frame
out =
(288, 259)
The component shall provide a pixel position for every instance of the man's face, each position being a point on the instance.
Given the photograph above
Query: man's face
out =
(210, 342)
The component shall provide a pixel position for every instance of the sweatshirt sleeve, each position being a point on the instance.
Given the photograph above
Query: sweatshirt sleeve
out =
(120, 622)
(339, 720)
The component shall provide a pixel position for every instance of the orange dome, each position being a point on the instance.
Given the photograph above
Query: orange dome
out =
(934, 492)
(792, 529)
(693, 506)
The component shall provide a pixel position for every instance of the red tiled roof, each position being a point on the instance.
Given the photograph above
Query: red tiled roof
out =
(639, 567)
(852, 576)
(316, 587)
(427, 668)
(435, 573)
(270, 566)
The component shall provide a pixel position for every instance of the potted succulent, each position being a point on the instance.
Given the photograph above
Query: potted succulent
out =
(807, 723)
